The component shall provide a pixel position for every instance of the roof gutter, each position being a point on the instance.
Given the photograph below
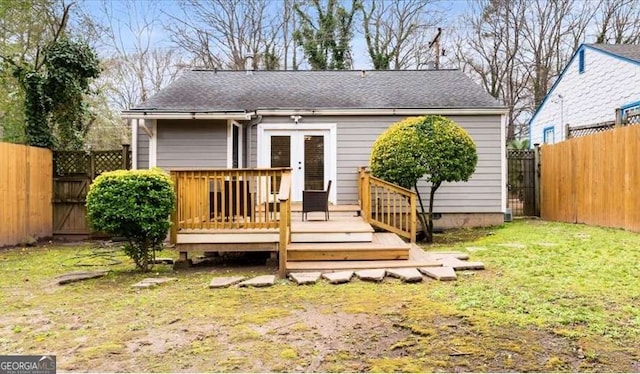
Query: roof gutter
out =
(315, 112)
(191, 115)
(378, 112)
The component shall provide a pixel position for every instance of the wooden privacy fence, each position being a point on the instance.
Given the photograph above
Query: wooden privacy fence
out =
(25, 193)
(73, 172)
(593, 179)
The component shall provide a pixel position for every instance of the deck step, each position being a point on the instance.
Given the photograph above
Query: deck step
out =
(330, 266)
(383, 246)
(340, 228)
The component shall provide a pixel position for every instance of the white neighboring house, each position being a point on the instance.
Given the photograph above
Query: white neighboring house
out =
(598, 80)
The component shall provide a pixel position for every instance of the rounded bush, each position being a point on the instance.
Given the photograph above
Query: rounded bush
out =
(135, 204)
(431, 147)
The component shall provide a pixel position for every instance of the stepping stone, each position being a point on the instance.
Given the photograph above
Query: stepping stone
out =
(407, 275)
(163, 261)
(441, 255)
(224, 282)
(78, 276)
(260, 281)
(144, 285)
(159, 280)
(462, 265)
(152, 282)
(305, 278)
(372, 275)
(338, 277)
(442, 273)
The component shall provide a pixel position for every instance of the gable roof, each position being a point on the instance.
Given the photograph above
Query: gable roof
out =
(208, 91)
(628, 51)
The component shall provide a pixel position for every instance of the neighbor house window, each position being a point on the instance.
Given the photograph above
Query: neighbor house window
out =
(581, 61)
(549, 135)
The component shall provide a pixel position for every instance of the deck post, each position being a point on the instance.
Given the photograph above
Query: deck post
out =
(414, 217)
(365, 194)
(284, 196)
(173, 234)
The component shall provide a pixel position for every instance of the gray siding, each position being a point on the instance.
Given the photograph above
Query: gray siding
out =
(143, 149)
(355, 136)
(192, 143)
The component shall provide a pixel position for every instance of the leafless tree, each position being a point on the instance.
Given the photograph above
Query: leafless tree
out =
(395, 31)
(517, 48)
(619, 22)
(490, 52)
(222, 33)
(134, 66)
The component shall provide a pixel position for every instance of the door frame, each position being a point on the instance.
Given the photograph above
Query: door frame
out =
(331, 169)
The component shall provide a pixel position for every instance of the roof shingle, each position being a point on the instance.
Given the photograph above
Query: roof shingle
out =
(630, 51)
(218, 91)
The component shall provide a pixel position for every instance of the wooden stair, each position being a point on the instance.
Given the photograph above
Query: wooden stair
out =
(417, 259)
(341, 228)
(383, 246)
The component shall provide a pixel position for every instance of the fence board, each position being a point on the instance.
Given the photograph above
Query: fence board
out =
(25, 193)
(593, 179)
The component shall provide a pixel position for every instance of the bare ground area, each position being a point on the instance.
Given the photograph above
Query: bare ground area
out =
(540, 306)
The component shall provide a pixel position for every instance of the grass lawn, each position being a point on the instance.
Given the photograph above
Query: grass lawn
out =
(554, 297)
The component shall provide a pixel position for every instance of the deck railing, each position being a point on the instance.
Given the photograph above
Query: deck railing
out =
(387, 206)
(227, 198)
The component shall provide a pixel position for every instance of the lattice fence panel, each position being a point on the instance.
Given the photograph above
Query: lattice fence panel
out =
(107, 161)
(70, 163)
(578, 132)
(633, 120)
(90, 164)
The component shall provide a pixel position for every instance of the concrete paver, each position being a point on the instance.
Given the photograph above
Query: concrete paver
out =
(338, 277)
(305, 278)
(407, 275)
(259, 281)
(371, 275)
(224, 282)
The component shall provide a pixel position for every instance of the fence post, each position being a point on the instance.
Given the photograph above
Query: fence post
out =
(125, 156)
(536, 183)
(618, 117)
(567, 131)
(92, 165)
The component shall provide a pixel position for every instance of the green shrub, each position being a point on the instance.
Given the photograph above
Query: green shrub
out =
(134, 204)
(430, 147)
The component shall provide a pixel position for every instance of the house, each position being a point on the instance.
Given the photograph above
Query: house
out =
(598, 81)
(320, 125)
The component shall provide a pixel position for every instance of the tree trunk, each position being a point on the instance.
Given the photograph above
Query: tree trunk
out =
(422, 214)
(429, 231)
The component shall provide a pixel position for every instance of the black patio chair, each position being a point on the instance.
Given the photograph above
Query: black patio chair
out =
(316, 201)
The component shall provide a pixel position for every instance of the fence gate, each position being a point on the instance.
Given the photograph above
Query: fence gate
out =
(521, 182)
(73, 172)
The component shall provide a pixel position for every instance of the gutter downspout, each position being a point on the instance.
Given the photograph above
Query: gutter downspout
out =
(253, 123)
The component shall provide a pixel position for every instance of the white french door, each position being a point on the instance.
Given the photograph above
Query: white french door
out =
(309, 153)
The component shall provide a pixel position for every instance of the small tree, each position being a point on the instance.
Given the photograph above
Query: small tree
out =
(432, 147)
(134, 204)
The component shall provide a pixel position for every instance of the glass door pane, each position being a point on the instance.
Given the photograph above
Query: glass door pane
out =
(314, 162)
(280, 151)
